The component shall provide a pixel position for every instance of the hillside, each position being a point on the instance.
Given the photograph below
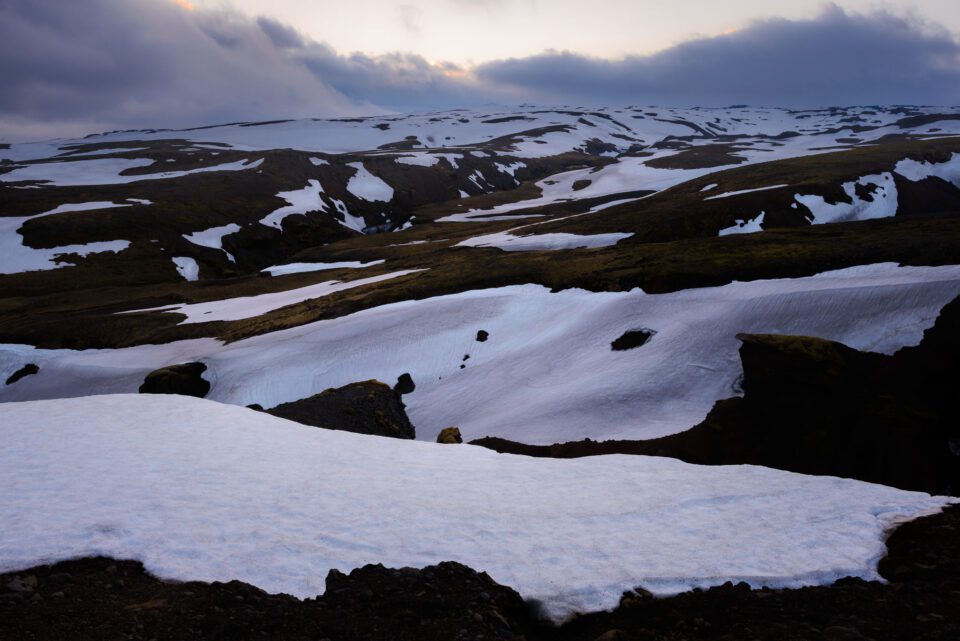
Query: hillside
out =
(725, 303)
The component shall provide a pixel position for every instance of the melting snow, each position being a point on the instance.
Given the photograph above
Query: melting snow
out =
(106, 171)
(300, 202)
(297, 268)
(539, 242)
(366, 186)
(915, 171)
(743, 191)
(187, 267)
(213, 237)
(232, 309)
(883, 203)
(203, 491)
(744, 226)
(547, 373)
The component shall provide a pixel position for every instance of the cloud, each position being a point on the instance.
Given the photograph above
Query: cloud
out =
(77, 67)
(835, 58)
(410, 17)
(100, 64)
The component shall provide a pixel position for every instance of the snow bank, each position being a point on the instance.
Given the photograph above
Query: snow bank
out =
(249, 306)
(741, 192)
(299, 268)
(547, 372)
(203, 491)
(106, 171)
(541, 242)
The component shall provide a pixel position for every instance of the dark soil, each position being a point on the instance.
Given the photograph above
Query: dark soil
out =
(818, 407)
(104, 600)
(370, 407)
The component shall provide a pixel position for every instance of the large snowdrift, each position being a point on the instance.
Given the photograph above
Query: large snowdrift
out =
(200, 490)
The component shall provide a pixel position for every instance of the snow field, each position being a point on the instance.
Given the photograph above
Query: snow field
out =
(547, 373)
(198, 490)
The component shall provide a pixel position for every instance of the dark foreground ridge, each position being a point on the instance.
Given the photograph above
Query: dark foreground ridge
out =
(819, 407)
(104, 599)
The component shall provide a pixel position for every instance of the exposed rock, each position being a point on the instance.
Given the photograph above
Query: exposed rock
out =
(450, 435)
(185, 379)
(482, 336)
(583, 183)
(370, 407)
(405, 384)
(27, 370)
(632, 339)
(819, 407)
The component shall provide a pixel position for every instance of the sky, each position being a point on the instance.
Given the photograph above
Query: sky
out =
(475, 31)
(73, 68)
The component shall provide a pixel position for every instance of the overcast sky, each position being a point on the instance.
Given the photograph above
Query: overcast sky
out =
(71, 68)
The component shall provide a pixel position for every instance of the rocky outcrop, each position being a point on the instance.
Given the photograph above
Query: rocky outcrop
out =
(186, 379)
(632, 339)
(27, 370)
(370, 407)
(450, 436)
(819, 407)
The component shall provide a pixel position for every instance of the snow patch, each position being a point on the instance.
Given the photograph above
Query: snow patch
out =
(187, 267)
(300, 202)
(213, 238)
(366, 186)
(883, 203)
(231, 309)
(299, 268)
(743, 191)
(744, 226)
(540, 242)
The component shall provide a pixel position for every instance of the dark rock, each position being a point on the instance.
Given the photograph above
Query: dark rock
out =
(405, 384)
(583, 183)
(450, 435)
(255, 406)
(185, 379)
(370, 407)
(482, 336)
(27, 370)
(632, 339)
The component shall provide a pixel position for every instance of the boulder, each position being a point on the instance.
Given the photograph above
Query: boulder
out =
(369, 407)
(450, 436)
(185, 379)
(27, 370)
(405, 384)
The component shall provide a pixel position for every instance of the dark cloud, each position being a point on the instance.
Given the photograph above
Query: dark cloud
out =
(84, 65)
(70, 68)
(836, 58)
